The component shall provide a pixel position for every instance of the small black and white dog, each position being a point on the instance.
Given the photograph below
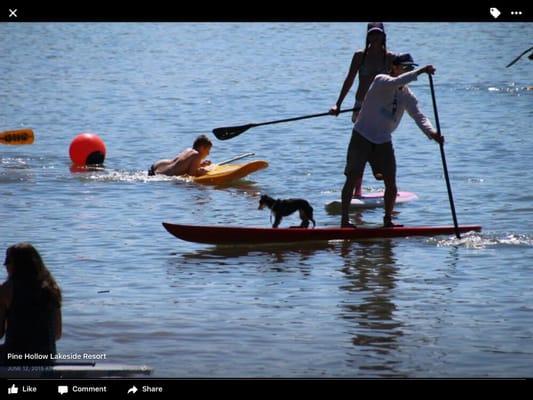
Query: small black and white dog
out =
(283, 208)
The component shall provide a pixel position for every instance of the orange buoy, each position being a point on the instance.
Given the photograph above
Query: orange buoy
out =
(87, 149)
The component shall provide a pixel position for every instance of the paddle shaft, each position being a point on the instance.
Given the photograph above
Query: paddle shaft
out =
(443, 157)
(519, 57)
(229, 132)
(297, 118)
(236, 158)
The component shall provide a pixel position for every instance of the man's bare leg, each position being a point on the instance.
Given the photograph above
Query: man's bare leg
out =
(390, 198)
(346, 198)
(358, 184)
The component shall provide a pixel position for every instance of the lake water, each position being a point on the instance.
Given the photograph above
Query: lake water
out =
(414, 307)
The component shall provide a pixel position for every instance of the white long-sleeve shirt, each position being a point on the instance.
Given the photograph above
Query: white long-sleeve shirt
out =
(383, 107)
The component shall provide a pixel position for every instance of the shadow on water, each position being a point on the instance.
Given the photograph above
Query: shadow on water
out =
(370, 272)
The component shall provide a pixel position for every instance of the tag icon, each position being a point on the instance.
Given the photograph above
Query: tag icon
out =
(494, 12)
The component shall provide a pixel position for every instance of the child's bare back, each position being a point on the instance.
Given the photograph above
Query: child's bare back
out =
(188, 162)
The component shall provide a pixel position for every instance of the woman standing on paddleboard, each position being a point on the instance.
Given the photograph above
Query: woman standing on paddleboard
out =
(30, 309)
(367, 63)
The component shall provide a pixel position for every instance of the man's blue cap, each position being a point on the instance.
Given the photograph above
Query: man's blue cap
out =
(403, 59)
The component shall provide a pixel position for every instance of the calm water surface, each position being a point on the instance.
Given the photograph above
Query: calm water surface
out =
(416, 307)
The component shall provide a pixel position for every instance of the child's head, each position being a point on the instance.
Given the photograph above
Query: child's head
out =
(202, 145)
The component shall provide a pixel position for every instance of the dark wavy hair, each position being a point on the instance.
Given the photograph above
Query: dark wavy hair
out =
(27, 267)
(201, 140)
(367, 44)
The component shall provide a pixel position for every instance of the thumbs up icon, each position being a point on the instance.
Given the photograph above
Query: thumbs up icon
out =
(13, 389)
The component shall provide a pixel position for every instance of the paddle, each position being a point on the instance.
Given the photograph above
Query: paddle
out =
(520, 56)
(443, 157)
(230, 132)
(236, 158)
(16, 137)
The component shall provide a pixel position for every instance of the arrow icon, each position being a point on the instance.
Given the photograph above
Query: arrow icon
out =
(132, 389)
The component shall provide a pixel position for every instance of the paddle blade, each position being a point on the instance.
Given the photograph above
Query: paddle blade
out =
(230, 132)
(17, 137)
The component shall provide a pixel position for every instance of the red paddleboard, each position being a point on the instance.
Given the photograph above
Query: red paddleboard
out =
(369, 200)
(242, 235)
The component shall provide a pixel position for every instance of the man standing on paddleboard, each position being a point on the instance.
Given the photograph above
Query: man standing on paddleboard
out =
(381, 112)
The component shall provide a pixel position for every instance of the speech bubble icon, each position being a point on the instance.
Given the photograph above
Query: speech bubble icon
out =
(62, 389)
(494, 12)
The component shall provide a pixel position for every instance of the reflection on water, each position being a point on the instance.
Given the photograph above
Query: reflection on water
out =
(287, 255)
(370, 272)
(244, 186)
(365, 287)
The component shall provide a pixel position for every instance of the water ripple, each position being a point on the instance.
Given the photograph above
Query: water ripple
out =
(479, 241)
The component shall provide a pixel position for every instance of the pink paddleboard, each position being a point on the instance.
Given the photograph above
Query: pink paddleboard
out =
(370, 200)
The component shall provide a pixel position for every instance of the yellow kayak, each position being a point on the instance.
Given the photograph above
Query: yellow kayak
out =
(223, 174)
